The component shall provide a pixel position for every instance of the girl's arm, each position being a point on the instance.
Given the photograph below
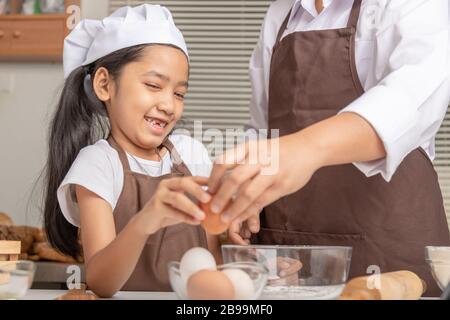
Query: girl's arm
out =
(109, 258)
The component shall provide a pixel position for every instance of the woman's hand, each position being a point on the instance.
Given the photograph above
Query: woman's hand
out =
(240, 232)
(171, 205)
(287, 271)
(262, 172)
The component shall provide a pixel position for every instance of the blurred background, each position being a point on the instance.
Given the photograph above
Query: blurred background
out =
(220, 34)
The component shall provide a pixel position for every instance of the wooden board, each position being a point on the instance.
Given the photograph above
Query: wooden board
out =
(9, 247)
(7, 266)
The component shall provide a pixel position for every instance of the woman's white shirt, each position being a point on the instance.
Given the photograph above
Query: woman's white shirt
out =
(403, 62)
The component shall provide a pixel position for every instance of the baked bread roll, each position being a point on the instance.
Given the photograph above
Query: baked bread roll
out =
(400, 285)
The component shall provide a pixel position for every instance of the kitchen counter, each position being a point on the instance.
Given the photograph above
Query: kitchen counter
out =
(53, 294)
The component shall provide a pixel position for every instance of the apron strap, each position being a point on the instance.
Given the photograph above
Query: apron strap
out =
(352, 21)
(354, 14)
(122, 156)
(177, 161)
(283, 27)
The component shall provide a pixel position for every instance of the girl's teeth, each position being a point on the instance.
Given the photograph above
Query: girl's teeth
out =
(155, 123)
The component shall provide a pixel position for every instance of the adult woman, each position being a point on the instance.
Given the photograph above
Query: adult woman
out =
(358, 97)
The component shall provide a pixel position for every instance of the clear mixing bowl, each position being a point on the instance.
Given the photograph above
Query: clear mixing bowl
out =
(16, 278)
(257, 273)
(438, 258)
(297, 272)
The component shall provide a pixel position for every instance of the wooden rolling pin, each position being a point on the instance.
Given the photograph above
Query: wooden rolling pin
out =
(399, 285)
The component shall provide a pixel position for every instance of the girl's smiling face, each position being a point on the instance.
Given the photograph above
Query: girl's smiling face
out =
(146, 101)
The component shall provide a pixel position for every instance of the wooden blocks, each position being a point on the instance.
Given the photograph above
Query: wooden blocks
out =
(9, 257)
(9, 252)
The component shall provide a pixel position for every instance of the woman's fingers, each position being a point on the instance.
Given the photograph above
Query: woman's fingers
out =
(250, 219)
(288, 266)
(249, 196)
(234, 234)
(182, 203)
(232, 184)
(254, 224)
(229, 160)
(245, 231)
(291, 280)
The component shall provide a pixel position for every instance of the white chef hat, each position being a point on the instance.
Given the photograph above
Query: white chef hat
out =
(126, 27)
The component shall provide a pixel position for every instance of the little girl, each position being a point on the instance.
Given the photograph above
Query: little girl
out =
(130, 196)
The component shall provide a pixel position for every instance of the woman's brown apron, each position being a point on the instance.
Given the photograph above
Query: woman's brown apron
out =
(313, 76)
(168, 244)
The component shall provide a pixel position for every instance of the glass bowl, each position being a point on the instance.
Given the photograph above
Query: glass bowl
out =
(16, 277)
(297, 272)
(438, 258)
(256, 271)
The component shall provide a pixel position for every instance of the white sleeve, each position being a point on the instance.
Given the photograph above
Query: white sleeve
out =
(408, 104)
(93, 170)
(259, 99)
(259, 67)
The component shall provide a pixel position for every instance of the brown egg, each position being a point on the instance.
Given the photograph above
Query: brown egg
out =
(210, 285)
(213, 223)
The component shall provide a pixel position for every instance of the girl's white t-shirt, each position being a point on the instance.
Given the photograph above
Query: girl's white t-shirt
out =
(98, 169)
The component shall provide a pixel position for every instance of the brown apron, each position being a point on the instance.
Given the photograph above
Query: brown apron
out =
(313, 76)
(168, 244)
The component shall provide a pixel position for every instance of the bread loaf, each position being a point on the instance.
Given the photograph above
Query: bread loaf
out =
(400, 285)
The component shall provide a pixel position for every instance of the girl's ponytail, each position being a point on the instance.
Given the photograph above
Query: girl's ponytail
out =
(74, 126)
(77, 123)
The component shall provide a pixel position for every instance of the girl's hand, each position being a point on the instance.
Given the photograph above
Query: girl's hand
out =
(171, 204)
(262, 172)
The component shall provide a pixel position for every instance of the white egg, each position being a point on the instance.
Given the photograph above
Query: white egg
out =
(243, 284)
(194, 260)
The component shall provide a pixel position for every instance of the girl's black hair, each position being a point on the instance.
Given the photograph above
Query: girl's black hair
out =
(78, 122)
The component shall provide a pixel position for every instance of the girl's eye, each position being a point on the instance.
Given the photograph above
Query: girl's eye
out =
(153, 86)
(180, 95)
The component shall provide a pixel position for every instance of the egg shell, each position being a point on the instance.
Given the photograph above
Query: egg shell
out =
(210, 285)
(242, 283)
(213, 223)
(194, 260)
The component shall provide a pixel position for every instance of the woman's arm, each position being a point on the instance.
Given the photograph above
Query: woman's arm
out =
(402, 110)
(344, 138)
